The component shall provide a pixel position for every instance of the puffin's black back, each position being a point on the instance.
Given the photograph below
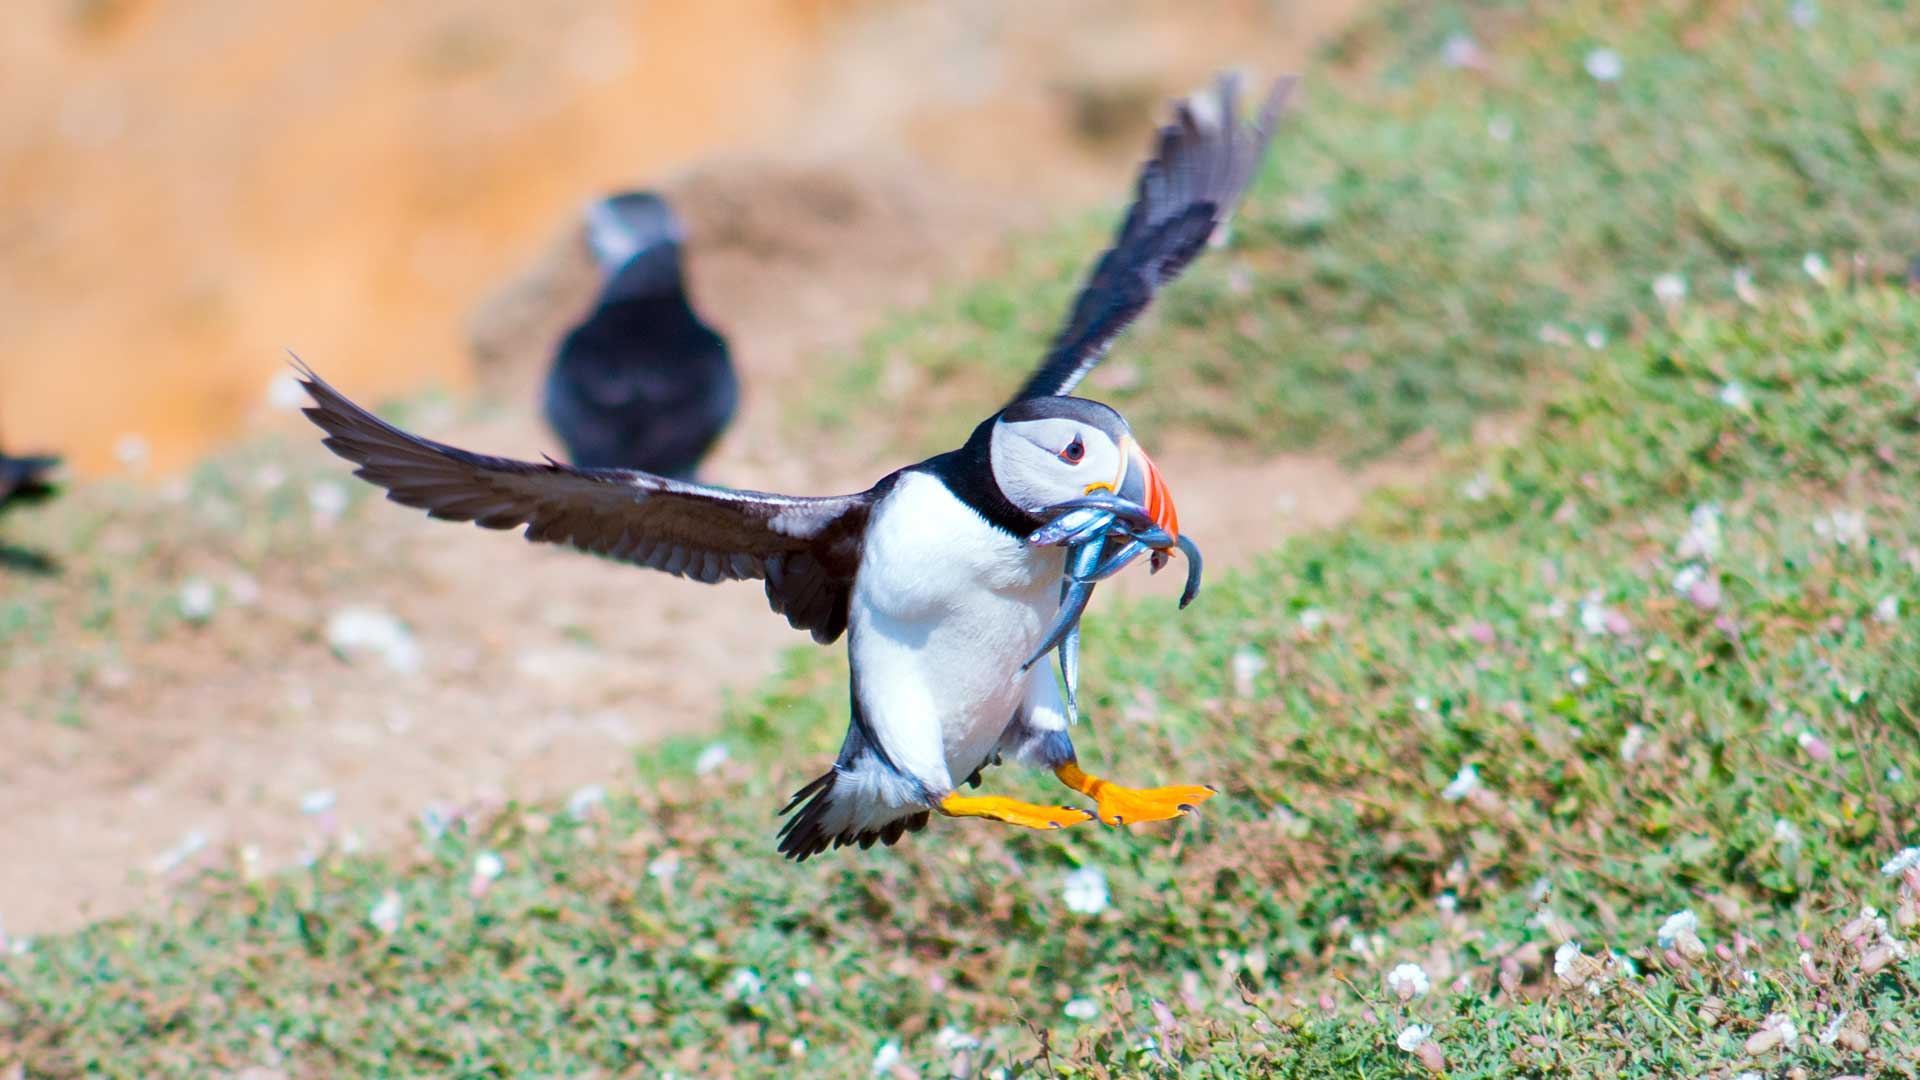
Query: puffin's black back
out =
(642, 383)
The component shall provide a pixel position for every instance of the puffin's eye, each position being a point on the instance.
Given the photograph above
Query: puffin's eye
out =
(1074, 452)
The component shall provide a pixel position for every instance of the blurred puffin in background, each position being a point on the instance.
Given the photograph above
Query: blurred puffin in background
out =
(642, 382)
(933, 573)
(25, 479)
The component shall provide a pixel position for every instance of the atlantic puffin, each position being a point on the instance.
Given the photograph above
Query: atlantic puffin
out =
(642, 382)
(25, 479)
(928, 572)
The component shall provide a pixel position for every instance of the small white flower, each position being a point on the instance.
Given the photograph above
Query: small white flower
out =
(1887, 610)
(1679, 923)
(1412, 1036)
(1085, 891)
(744, 984)
(1447, 903)
(1478, 487)
(803, 979)
(1702, 540)
(1247, 665)
(1844, 528)
(1815, 267)
(584, 801)
(1577, 675)
(1596, 338)
(131, 451)
(1312, 619)
(1906, 860)
(1895, 774)
(1670, 289)
(1785, 833)
(284, 393)
(317, 802)
(1604, 65)
(1464, 783)
(1566, 961)
(1461, 51)
(1408, 981)
(663, 867)
(1423, 704)
(355, 632)
(710, 759)
(1832, 1033)
(1633, 743)
(384, 916)
(326, 500)
(952, 1038)
(885, 1058)
(1082, 1009)
(797, 1048)
(196, 600)
(1734, 395)
(1593, 615)
(1690, 575)
(488, 866)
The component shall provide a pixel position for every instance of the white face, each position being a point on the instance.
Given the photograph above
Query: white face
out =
(1039, 463)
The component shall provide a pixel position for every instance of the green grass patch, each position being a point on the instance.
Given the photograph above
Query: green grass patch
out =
(1425, 235)
(1483, 721)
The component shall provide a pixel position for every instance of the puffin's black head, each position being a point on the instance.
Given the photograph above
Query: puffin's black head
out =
(1046, 450)
(621, 226)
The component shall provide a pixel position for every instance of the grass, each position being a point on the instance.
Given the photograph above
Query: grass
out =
(1653, 659)
(1738, 752)
(1421, 228)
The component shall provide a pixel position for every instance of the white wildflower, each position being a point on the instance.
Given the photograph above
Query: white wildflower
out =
(1844, 528)
(885, 1058)
(1593, 614)
(1604, 65)
(1906, 860)
(284, 393)
(1689, 576)
(434, 821)
(1831, 1034)
(1670, 289)
(1085, 891)
(1478, 487)
(1247, 665)
(803, 979)
(1461, 51)
(384, 916)
(797, 1048)
(317, 802)
(1633, 743)
(1412, 1036)
(1464, 783)
(584, 801)
(1785, 833)
(488, 866)
(1679, 923)
(664, 867)
(1312, 619)
(1734, 395)
(1569, 964)
(1815, 267)
(1895, 774)
(1082, 1009)
(952, 1038)
(359, 632)
(1577, 675)
(1887, 610)
(131, 451)
(1423, 704)
(196, 600)
(326, 500)
(1702, 540)
(1596, 338)
(710, 759)
(744, 984)
(1408, 981)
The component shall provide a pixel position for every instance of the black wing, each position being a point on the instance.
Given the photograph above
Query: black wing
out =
(1200, 168)
(806, 549)
(25, 479)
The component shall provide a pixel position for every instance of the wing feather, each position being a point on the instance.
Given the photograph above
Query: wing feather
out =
(1201, 166)
(806, 549)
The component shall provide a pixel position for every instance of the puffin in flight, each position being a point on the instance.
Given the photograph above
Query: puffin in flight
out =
(25, 479)
(641, 383)
(929, 572)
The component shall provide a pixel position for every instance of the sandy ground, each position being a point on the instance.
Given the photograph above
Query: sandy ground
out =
(543, 671)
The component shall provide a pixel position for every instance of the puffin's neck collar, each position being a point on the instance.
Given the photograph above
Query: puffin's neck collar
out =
(968, 473)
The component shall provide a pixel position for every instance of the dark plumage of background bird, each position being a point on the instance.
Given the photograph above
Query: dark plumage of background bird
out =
(25, 479)
(641, 383)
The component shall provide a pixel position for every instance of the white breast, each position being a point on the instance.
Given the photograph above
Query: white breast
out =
(945, 609)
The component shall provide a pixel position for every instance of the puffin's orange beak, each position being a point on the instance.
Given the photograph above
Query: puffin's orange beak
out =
(1140, 483)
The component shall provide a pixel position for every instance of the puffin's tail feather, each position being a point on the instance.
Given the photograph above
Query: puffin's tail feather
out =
(832, 817)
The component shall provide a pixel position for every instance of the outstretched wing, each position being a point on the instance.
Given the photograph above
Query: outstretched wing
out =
(1201, 166)
(806, 549)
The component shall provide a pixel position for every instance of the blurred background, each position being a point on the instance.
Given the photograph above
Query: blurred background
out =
(189, 190)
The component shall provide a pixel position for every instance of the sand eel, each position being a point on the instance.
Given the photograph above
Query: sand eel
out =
(930, 572)
(642, 382)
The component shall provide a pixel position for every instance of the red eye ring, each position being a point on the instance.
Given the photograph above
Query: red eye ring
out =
(1075, 451)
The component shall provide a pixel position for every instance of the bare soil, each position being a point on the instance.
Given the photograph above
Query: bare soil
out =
(928, 136)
